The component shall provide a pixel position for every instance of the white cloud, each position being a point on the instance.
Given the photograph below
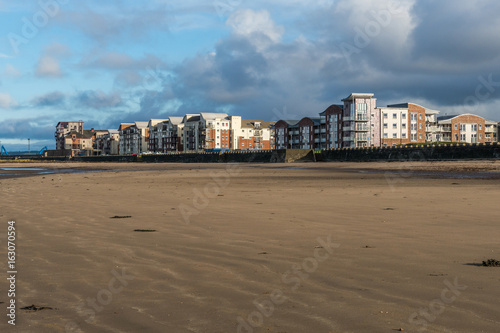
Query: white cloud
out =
(255, 24)
(48, 67)
(11, 71)
(6, 101)
(4, 55)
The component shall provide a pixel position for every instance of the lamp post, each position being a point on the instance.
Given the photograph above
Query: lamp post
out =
(29, 147)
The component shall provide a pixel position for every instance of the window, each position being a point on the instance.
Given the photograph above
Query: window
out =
(480, 136)
(385, 125)
(394, 116)
(456, 126)
(403, 116)
(385, 136)
(394, 126)
(420, 116)
(414, 117)
(394, 136)
(474, 127)
(413, 137)
(362, 107)
(420, 126)
(403, 135)
(480, 127)
(385, 115)
(403, 125)
(420, 136)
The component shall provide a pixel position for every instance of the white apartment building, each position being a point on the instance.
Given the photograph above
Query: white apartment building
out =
(360, 121)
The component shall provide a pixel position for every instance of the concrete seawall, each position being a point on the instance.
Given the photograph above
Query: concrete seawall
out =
(427, 153)
(423, 153)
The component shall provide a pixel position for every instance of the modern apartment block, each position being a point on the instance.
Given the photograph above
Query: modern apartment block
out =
(107, 143)
(78, 143)
(218, 131)
(316, 133)
(155, 128)
(63, 128)
(407, 123)
(466, 128)
(134, 138)
(251, 134)
(360, 121)
(333, 120)
(165, 136)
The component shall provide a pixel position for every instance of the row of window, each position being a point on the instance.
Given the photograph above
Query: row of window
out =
(473, 127)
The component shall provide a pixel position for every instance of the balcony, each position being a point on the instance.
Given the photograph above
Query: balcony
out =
(362, 138)
(348, 128)
(348, 138)
(362, 128)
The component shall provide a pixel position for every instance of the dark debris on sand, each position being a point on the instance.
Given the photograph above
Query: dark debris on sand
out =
(33, 307)
(491, 263)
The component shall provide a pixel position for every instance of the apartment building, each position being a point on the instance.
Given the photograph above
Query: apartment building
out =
(407, 123)
(360, 121)
(332, 118)
(79, 143)
(108, 143)
(63, 128)
(165, 135)
(134, 138)
(466, 128)
(98, 141)
(286, 134)
(155, 128)
(251, 134)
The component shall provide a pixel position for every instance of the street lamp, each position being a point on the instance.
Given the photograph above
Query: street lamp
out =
(29, 147)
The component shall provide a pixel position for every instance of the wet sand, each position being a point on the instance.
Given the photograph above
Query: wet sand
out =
(313, 247)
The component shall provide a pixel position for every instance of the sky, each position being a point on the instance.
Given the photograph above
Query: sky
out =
(107, 62)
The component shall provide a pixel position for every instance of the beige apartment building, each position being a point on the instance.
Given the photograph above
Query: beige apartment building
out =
(466, 128)
(63, 128)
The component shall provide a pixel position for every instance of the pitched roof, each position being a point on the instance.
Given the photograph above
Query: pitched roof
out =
(250, 123)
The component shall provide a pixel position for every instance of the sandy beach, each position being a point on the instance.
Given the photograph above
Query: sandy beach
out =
(303, 247)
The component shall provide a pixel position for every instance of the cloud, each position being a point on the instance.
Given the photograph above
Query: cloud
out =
(97, 99)
(48, 67)
(107, 24)
(51, 99)
(255, 25)
(4, 56)
(121, 61)
(6, 101)
(34, 128)
(11, 71)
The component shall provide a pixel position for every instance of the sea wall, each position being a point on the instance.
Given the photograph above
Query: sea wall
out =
(416, 153)
(405, 153)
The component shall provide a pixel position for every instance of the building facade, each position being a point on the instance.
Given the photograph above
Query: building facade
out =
(466, 128)
(407, 123)
(360, 121)
(134, 138)
(63, 128)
